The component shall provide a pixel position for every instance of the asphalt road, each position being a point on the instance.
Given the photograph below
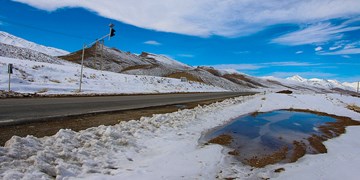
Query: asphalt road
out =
(17, 111)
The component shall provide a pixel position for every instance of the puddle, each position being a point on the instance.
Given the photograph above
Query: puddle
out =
(279, 136)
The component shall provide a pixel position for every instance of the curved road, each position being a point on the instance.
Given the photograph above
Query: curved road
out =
(17, 111)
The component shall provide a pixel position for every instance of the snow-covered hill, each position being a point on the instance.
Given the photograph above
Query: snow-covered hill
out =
(108, 59)
(354, 85)
(41, 77)
(9, 39)
(164, 59)
(323, 83)
(15, 52)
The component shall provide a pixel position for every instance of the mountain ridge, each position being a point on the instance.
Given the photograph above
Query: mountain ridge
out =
(10, 39)
(149, 64)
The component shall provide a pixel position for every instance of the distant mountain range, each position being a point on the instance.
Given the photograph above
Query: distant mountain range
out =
(114, 60)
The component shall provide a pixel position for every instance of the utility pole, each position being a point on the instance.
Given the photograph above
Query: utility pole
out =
(111, 34)
(82, 66)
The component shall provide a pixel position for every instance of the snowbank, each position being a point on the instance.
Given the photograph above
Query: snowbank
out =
(40, 77)
(165, 146)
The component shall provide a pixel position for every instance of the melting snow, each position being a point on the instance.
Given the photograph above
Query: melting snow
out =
(165, 146)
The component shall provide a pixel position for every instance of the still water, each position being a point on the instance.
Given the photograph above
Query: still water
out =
(264, 134)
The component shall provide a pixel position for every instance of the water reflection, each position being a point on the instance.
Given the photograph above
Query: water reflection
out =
(272, 135)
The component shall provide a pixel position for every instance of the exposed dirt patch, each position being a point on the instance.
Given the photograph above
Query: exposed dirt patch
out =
(276, 157)
(299, 151)
(223, 139)
(146, 66)
(279, 170)
(317, 144)
(354, 108)
(77, 123)
(234, 153)
(285, 92)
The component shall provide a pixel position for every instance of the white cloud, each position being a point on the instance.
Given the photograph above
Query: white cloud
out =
(186, 55)
(315, 34)
(319, 48)
(299, 52)
(241, 52)
(349, 48)
(290, 63)
(343, 52)
(334, 48)
(151, 42)
(303, 74)
(237, 66)
(209, 17)
(263, 65)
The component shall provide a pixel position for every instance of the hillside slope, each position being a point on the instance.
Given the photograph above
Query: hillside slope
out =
(9, 39)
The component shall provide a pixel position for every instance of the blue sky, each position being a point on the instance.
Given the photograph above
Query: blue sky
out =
(310, 38)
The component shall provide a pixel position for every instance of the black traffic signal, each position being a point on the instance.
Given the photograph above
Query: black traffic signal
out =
(10, 68)
(112, 32)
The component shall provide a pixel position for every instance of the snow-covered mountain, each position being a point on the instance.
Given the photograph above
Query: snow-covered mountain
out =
(164, 59)
(9, 39)
(148, 64)
(115, 60)
(328, 84)
(354, 85)
(38, 72)
(297, 78)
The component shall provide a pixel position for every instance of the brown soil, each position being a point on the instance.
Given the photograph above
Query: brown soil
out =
(354, 108)
(279, 170)
(76, 56)
(285, 92)
(138, 67)
(276, 157)
(77, 123)
(234, 153)
(299, 151)
(223, 139)
(317, 144)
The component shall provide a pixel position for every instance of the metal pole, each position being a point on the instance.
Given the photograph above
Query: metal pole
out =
(82, 66)
(358, 87)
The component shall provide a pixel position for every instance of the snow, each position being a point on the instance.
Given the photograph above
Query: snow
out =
(297, 78)
(323, 83)
(9, 39)
(167, 60)
(353, 85)
(63, 78)
(166, 146)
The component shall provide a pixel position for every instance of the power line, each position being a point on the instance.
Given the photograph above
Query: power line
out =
(42, 29)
